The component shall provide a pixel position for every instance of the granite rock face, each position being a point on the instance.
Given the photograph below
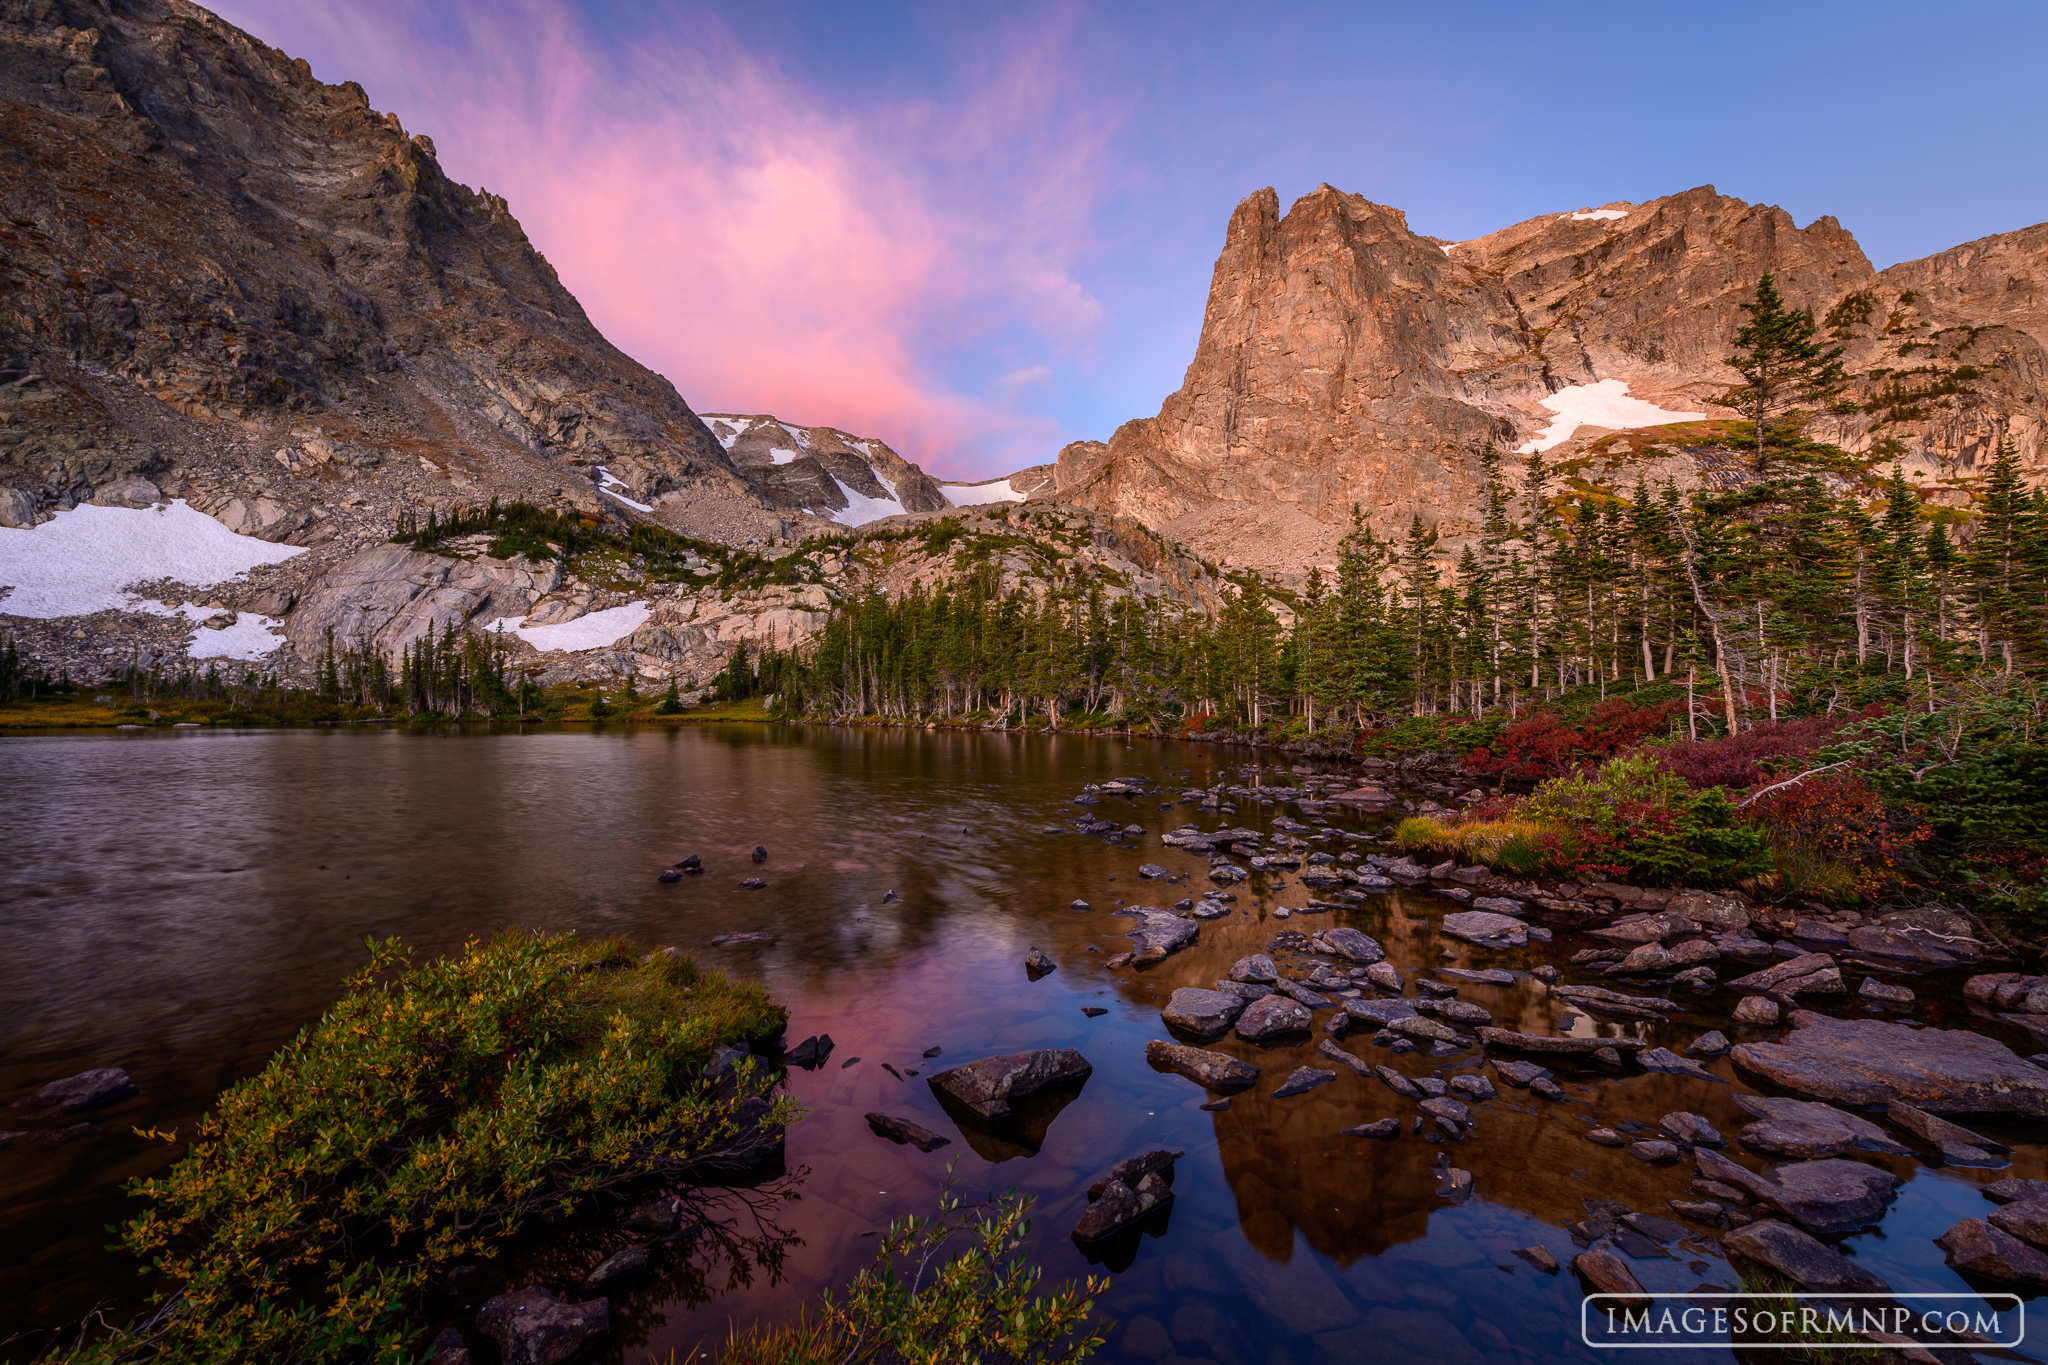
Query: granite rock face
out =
(1346, 358)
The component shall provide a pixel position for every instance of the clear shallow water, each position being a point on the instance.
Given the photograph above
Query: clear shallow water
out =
(180, 904)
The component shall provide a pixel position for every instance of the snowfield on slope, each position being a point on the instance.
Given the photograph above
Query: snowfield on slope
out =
(85, 560)
(1605, 405)
(977, 494)
(861, 509)
(593, 630)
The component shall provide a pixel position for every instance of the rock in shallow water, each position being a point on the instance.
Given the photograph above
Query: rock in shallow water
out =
(1037, 962)
(1606, 1273)
(1825, 1197)
(1976, 1247)
(1384, 1129)
(903, 1131)
(1215, 1070)
(1202, 1012)
(1303, 1079)
(86, 1090)
(1871, 1061)
(1272, 1016)
(1790, 1253)
(986, 1087)
(1159, 932)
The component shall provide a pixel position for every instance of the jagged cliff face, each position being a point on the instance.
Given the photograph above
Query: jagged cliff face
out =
(1345, 359)
(245, 285)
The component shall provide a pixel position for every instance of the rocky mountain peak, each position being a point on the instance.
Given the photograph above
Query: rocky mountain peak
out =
(1346, 360)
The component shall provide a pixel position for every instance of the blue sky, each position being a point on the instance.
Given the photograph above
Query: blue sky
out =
(979, 232)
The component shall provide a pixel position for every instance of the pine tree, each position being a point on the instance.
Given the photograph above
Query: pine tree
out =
(1781, 362)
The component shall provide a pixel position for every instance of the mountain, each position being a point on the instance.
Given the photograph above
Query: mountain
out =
(1345, 359)
(235, 289)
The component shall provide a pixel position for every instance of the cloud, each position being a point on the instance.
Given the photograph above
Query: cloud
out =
(1022, 379)
(724, 229)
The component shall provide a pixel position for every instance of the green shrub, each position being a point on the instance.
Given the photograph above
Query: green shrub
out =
(1634, 819)
(919, 1306)
(424, 1120)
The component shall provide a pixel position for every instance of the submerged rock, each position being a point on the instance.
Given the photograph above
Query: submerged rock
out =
(86, 1090)
(903, 1131)
(986, 1087)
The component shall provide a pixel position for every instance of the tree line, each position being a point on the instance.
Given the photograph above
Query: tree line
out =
(1745, 598)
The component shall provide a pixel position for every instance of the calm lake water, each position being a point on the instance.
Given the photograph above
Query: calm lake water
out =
(180, 904)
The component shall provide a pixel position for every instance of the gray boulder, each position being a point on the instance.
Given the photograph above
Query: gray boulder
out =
(1215, 1070)
(1861, 1062)
(1487, 929)
(986, 1087)
(1787, 1252)
(1159, 932)
(1272, 1016)
(1977, 1248)
(1824, 1197)
(86, 1090)
(1205, 1013)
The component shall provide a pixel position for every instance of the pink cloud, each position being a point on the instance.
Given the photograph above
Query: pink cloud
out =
(720, 228)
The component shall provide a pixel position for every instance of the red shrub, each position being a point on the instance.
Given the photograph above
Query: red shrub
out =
(1833, 827)
(1546, 745)
(1743, 760)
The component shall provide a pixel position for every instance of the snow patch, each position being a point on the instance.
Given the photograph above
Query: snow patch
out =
(83, 560)
(594, 630)
(1605, 404)
(605, 486)
(739, 426)
(781, 456)
(252, 637)
(861, 509)
(1602, 215)
(976, 494)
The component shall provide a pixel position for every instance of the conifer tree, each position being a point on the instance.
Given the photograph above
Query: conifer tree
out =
(1781, 361)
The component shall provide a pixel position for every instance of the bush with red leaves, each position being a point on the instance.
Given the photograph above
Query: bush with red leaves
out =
(1546, 745)
(1834, 833)
(1741, 761)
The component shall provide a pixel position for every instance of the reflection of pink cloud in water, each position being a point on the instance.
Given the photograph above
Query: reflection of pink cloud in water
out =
(763, 256)
(848, 865)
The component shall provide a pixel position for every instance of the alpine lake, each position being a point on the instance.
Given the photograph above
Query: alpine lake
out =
(180, 904)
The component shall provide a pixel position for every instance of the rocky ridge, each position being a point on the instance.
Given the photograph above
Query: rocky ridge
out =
(1346, 359)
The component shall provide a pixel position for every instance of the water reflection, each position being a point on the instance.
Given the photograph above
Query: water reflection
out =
(181, 904)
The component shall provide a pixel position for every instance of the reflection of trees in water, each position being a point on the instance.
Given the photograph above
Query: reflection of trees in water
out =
(729, 1238)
